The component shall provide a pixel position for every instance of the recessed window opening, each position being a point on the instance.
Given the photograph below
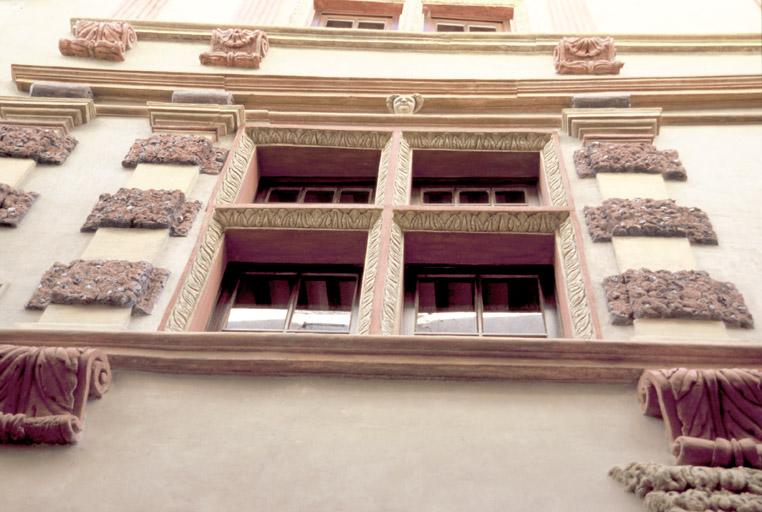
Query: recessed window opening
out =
(348, 21)
(467, 26)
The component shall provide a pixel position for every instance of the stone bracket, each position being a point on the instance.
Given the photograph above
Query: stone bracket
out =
(617, 124)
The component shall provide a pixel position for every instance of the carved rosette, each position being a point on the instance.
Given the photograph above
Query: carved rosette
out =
(42, 145)
(43, 391)
(236, 47)
(106, 40)
(628, 157)
(586, 56)
(14, 204)
(177, 149)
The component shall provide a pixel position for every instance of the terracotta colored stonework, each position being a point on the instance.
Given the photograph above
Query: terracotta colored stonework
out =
(628, 157)
(177, 149)
(586, 56)
(44, 390)
(713, 417)
(236, 47)
(106, 40)
(109, 282)
(43, 146)
(14, 204)
(648, 217)
(687, 294)
(147, 209)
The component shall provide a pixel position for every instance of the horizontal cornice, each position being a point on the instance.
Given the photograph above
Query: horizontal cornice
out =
(393, 356)
(311, 37)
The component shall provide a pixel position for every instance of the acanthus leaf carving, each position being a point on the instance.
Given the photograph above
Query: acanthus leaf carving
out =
(297, 218)
(236, 47)
(576, 291)
(480, 221)
(478, 141)
(231, 182)
(310, 137)
(586, 56)
(105, 40)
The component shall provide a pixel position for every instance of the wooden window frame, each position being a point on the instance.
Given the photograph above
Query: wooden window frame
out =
(303, 189)
(322, 19)
(456, 190)
(499, 26)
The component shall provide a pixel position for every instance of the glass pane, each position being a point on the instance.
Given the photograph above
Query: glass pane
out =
(261, 303)
(510, 197)
(283, 195)
(339, 23)
(324, 304)
(512, 306)
(437, 197)
(443, 27)
(446, 305)
(355, 196)
(481, 28)
(318, 195)
(473, 197)
(371, 25)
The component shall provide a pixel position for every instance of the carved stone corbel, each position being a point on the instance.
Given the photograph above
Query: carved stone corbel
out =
(106, 40)
(586, 56)
(236, 47)
(44, 390)
(404, 104)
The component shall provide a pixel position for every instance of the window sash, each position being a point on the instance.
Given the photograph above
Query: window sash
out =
(355, 21)
(302, 191)
(491, 191)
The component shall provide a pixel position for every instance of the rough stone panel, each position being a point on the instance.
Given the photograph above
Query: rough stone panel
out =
(586, 56)
(147, 209)
(628, 157)
(601, 100)
(43, 146)
(206, 96)
(60, 90)
(176, 149)
(648, 217)
(108, 282)
(685, 294)
(14, 204)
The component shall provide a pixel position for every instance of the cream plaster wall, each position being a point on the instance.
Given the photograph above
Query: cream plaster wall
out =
(197, 444)
(723, 166)
(50, 231)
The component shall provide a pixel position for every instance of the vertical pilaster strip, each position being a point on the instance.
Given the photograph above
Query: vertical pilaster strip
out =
(390, 315)
(576, 291)
(370, 272)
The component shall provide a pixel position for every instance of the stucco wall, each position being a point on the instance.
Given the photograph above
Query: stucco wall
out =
(163, 442)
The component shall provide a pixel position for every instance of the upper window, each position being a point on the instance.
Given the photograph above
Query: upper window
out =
(456, 17)
(356, 22)
(357, 14)
(467, 26)
(299, 191)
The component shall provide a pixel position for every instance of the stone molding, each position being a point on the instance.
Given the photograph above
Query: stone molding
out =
(614, 124)
(202, 96)
(393, 284)
(479, 221)
(236, 47)
(383, 172)
(314, 137)
(14, 204)
(648, 217)
(44, 391)
(580, 309)
(628, 157)
(46, 89)
(218, 120)
(601, 100)
(358, 219)
(712, 417)
(403, 176)
(44, 146)
(370, 270)
(176, 149)
(551, 166)
(106, 40)
(685, 488)
(61, 114)
(243, 154)
(146, 209)
(586, 56)
(687, 294)
(478, 141)
(118, 283)
(404, 104)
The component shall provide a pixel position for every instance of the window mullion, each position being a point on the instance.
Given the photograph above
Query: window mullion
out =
(478, 304)
(292, 301)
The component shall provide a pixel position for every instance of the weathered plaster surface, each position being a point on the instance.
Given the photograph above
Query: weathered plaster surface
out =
(341, 445)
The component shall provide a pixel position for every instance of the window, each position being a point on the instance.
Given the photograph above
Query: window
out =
(456, 17)
(476, 195)
(355, 22)
(467, 26)
(296, 192)
(478, 303)
(295, 299)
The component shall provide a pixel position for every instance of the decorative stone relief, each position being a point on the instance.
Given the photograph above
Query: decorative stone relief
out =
(403, 176)
(44, 390)
(383, 173)
(14, 204)
(404, 104)
(297, 218)
(147, 209)
(480, 221)
(576, 291)
(629, 157)
(177, 149)
(478, 141)
(551, 166)
(586, 56)
(106, 40)
(308, 137)
(41, 145)
(390, 314)
(236, 47)
(687, 294)
(713, 417)
(231, 182)
(109, 282)
(648, 217)
(372, 257)
(689, 488)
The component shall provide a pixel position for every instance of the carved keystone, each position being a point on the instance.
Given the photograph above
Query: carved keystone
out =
(106, 40)
(14, 204)
(628, 157)
(177, 149)
(109, 282)
(648, 217)
(151, 209)
(45, 390)
(44, 146)
(586, 56)
(685, 294)
(236, 47)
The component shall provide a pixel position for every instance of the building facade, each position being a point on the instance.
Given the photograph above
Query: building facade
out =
(380, 255)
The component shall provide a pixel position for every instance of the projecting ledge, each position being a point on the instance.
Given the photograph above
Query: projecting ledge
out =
(393, 356)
